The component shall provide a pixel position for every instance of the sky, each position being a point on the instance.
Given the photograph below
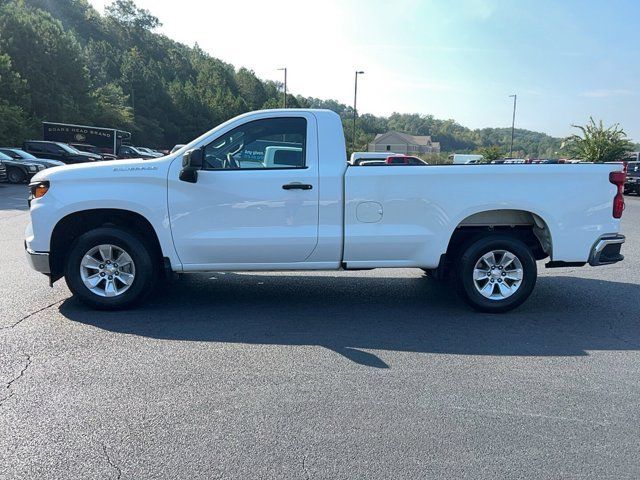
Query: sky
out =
(461, 59)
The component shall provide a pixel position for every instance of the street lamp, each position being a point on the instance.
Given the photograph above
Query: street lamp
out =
(285, 85)
(355, 100)
(513, 123)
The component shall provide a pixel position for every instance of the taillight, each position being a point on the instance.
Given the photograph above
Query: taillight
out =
(618, 178)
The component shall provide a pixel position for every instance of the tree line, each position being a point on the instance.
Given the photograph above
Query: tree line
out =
(62, 61)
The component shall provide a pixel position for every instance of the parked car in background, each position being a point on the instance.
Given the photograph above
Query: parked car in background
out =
(150, 151)
(127, 151)
(85, 147)
(19, 171)
(177, 147)
(373, 163)
(25, 157)
(404, 160)
(632, 182)
(358, 158)
(515, 160)
(58, 151)
(3, 172)
(465, 159)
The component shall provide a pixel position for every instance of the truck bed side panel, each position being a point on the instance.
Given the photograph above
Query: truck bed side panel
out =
(405, 216)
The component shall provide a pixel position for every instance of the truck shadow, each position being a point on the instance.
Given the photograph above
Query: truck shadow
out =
(350, 315)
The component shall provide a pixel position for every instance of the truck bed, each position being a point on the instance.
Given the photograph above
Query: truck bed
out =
(407, 214)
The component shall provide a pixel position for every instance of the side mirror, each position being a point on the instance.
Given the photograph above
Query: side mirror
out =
(192, 161)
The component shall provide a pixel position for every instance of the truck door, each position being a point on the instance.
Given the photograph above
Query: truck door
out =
(246, 208)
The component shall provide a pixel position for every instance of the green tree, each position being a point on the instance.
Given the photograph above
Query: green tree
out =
(490, 153)
(110, 107)
(49, 59)
(14, 102)
(128, 14)
(598, 143)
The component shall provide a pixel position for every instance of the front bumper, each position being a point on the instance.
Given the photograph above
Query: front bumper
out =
(39, 261)
(606, 250)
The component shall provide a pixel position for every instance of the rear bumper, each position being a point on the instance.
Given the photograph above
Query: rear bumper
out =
(606, 250)
(39, 261)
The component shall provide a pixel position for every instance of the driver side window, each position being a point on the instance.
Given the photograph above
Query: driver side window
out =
(268, 143)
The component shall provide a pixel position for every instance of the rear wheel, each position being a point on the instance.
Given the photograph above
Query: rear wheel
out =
(15, 175)
(110, 268)
(496, 274)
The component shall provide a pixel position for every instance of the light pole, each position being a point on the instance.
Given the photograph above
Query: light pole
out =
(285, 85)
(355, 101)
(513, 122)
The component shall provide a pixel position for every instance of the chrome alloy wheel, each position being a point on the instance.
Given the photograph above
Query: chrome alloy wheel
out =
(498, 274)
(107, 270)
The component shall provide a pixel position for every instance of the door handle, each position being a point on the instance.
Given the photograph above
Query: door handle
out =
(297, 186)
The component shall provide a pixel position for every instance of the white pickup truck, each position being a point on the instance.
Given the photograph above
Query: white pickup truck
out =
(272, 190)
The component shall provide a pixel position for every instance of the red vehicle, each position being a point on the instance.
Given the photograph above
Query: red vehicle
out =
(404, 160)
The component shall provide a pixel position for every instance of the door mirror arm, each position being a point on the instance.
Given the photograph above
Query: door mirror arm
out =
(192, 161)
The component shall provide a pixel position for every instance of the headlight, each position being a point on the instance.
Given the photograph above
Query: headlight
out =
(37, 190)
(32, 168)
(40, 167)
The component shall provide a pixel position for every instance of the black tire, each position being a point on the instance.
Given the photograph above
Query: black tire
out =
(473, 253)
(15, 175)
(146, 268)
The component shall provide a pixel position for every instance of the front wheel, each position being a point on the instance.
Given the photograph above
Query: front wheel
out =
(15, 175)
(496, 274)
(110, 268)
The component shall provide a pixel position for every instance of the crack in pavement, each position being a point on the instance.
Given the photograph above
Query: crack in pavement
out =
(14, 379)
(304, 467)
(18, 322)
(110, 462)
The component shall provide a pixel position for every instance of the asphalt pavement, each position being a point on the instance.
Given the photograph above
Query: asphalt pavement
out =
(348, 375)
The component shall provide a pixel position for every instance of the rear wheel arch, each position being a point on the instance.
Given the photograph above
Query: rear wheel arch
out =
(526, 226)
(78, 223)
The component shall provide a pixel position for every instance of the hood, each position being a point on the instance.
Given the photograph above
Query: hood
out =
(54, 163)
(104, 170)
(44, 161)
(30, 166)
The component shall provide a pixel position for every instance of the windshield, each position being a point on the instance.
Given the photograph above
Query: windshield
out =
(23, 154)
(69, 149)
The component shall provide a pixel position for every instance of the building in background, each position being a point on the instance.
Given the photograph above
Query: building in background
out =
(403, 143)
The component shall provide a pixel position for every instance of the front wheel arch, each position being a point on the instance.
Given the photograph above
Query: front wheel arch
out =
(76, 224)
